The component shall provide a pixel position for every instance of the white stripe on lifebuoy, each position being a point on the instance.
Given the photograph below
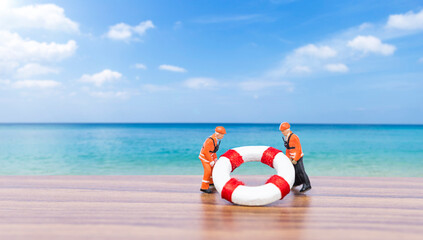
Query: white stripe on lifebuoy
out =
(234, 191)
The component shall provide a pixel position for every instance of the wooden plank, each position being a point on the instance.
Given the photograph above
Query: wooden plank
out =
(172, 207)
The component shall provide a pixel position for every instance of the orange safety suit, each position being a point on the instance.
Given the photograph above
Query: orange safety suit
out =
(293, 151)
(207, 155)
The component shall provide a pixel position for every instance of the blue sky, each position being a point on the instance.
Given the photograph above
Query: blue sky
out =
(211, 61)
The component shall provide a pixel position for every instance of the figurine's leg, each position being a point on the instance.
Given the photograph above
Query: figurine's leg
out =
(303, 175)
(297, 177)
(207, 174)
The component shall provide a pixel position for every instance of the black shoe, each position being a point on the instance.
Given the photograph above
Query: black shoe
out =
(206, 190)
(211, 184)
(298, 184)
(305, 188)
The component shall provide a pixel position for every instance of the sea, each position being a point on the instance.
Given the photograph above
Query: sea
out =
(173, 148)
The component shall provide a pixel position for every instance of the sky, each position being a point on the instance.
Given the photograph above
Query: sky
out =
(263, 61)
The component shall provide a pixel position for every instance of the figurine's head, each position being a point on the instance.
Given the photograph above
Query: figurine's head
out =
(285, 128)
(220, 132)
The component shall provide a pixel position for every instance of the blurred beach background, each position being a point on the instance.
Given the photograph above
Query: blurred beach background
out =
(340, 68)
(172, 149)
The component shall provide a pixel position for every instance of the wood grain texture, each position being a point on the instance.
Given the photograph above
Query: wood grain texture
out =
(172, 207)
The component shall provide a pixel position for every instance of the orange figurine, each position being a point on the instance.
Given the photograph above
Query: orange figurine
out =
(208, 157)
(295, 154)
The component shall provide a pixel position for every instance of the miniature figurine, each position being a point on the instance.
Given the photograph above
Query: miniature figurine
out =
(295, 153)
(208, 157)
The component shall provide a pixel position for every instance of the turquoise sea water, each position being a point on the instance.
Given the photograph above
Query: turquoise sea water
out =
(172, 149)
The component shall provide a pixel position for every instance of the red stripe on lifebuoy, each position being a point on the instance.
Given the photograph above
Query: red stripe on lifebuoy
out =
(281, 183)
(234, 157)
(229, 188)
(269, 155)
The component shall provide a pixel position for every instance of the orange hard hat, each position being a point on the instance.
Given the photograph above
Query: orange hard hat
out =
(284, 126)
(220, 130)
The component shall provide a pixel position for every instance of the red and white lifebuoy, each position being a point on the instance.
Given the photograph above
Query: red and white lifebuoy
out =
(233, 190)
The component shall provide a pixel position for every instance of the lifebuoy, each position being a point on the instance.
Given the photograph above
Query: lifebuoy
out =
(233, 190)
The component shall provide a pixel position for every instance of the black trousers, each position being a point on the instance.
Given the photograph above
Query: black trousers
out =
(300, 174)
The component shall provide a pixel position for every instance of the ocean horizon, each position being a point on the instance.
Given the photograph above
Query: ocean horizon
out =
(390, 150)
(205, 123)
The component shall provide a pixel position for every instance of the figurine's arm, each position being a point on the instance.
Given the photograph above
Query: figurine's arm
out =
(214, 160)
(208, 146)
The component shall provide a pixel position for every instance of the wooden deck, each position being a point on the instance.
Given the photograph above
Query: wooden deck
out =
(172, 207)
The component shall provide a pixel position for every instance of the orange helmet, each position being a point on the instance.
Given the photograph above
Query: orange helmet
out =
(220, 130)
(284, 126)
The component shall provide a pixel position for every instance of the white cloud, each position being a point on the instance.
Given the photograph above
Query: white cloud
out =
(260, 85)
(100, 78)
(407, 21)
(123, 31)
(300, 69)
(140, 66)
(6, 4)
(155, 88)
(171, 68)
(345, 47)
(314, 51)
(34, 69)
(4, 82)
(14, 48)
(120, 31)
(337, 67)
(23, 58)
(143, 27)
(111, 94)
(7, 66)
(302, 60)
(200, 83)
(37, 16)
(36, 84)
(371, 44)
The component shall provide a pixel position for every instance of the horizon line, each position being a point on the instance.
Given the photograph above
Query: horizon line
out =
(218, 123)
